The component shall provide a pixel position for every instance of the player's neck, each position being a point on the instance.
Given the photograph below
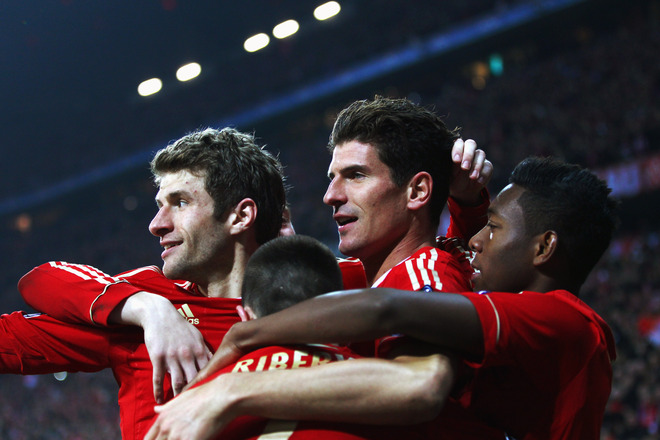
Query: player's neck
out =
(226, 279)
(227, 287)
(377, 265)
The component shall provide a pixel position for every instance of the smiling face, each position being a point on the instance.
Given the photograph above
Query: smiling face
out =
(504, 252)
(195, 241)
(370, 210)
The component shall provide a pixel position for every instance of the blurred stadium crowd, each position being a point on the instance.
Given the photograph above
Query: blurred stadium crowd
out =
(592, 96)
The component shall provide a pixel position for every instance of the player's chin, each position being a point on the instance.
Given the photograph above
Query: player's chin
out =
(172, 271)
(346, 247)
(478, 283)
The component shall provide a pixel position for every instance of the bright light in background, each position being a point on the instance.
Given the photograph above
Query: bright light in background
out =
(188, 72)
(496, 64)
(23, 223)
(150, 86)
(286, 29)
(256, 42)
(327, 10)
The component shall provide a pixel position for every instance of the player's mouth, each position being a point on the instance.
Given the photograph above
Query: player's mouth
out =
(476, 272)
(168, 248)
(344, 221)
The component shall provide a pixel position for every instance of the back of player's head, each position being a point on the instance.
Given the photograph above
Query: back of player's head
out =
(409, 138)
(573, 202)
(234, 168)
(287, 270)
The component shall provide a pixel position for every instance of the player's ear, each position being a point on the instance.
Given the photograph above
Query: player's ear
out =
(419, 190)
(246, 313)
(242, 216)
(242, 313)
(546, 247)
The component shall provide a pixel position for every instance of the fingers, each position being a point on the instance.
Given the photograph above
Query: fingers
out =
(212, 365)
(458, 152)
(202, 361)
(242, 313)
(185, 368)
(158, 375)
(477, 164)
(178, 377)
(201, 375)
(486, 173)
(155, 430)
(464, 153)
(472, 159)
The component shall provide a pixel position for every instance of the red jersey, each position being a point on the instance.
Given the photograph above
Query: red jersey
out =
(434, 270)
(444, 272)
(466, 221)
(78, 294)
(41, 344)
(353, 274)
(429, 269)
(272, 358)
(546, 372)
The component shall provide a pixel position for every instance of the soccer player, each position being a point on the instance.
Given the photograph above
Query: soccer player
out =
(390, 177)
(281, 273)
(211, 183)
(538, 359)
(208, 224)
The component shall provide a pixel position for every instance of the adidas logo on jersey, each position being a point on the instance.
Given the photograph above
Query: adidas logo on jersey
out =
(188, 314)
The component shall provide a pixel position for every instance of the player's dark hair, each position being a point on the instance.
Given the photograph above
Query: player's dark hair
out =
(408, 137)
(573, 202)
(286, 271)
(234, 168)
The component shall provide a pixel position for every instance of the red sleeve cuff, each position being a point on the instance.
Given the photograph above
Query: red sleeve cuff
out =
(111, 297)
(465, 221)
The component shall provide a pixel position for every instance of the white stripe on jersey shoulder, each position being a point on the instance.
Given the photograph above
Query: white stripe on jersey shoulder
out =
(431, 253)
(421, 270)
(83, 271)
(381, 279)
(188, 285)
(140, 270)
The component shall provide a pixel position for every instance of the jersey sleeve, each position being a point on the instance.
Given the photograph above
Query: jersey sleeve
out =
(353, 274)
(536, 331)
(466, 221)
(38, 344)
(74, 293)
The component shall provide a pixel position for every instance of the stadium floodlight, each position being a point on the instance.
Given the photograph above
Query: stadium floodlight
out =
(327, 10)
(286, 29)
(188, 72)
(256, 42)
(150, 86)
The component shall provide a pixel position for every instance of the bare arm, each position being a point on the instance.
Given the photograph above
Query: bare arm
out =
(174, 345)
(407, 390)
(81, 293)
(448, 321)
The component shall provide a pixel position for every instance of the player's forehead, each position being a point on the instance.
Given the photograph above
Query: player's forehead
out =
(354, 155)
(506, 204)
(179, 182)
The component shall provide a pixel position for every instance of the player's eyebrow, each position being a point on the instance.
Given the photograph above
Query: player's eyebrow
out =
(174, 195)
(349, 170)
